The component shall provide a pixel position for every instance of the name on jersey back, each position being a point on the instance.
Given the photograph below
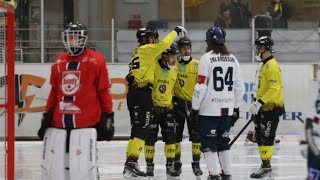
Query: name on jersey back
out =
(221, 59)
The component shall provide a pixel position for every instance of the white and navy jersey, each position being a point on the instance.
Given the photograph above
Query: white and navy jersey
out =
(225, 86)
(315, 110)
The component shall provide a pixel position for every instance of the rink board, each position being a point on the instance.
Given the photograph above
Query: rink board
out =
(33, 87)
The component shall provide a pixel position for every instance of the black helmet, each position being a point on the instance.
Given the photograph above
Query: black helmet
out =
(74, 38)
(265, 41)
(173, 49)
(183, 42)
(216, 35)
(145, 32)
(152, 32)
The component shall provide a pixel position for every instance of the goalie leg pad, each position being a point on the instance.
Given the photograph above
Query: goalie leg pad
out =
(83, 154)
(53, 155)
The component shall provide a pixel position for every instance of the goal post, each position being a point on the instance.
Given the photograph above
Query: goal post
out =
(7, 96)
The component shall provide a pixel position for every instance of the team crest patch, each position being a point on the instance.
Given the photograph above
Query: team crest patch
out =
(70, 82)
(162, 88)
(182, 67)
(181, 82)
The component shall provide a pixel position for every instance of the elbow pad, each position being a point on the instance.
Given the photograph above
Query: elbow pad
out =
(198, 95)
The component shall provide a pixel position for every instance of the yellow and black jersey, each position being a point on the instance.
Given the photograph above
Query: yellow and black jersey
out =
(164, 81)
(143, 60)
(270, 89)
(187, 79)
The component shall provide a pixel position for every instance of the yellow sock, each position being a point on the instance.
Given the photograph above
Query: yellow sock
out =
(170, 150)
(136, 147)
(196, 148)
(149, 152)
(178, 149)
(266, 152)
(129, 147)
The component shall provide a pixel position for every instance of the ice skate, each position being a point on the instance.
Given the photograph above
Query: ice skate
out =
(263, 172)
(214, 177)
(150, 169)
(132, 170)
(171, 170)
(250, 138)
(226, 177)
(196, 169)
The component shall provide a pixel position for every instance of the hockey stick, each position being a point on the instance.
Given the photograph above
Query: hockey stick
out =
(241, 131)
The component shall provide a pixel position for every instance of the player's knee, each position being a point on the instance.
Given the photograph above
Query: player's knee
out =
(267, 141)
(168, 136)
(151, 139)
(194, 138)
(178, 137)
(140, 132)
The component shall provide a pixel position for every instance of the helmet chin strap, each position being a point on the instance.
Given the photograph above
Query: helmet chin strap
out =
(170, 66)
(259, 57)
(185, 58)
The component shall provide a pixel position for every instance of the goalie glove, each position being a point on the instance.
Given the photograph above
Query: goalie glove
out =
(105, 128)
(180, 29)
(110, 126)
(45, 124)
(235, 116)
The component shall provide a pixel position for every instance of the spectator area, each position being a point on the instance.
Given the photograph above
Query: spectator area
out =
(290, 46)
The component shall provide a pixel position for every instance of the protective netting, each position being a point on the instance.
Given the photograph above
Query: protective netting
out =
(3, 95)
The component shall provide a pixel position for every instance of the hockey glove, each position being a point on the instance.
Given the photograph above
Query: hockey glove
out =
(235, 116)
(45, 124)
(304, 148)
(180, 29)
(110, 126)
(178, 103)
(255, 107)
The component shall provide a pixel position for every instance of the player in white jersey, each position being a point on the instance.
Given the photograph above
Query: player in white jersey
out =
(313, 136)
(217, 97)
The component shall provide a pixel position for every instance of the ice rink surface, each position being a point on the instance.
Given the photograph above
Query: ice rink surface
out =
(287, 163)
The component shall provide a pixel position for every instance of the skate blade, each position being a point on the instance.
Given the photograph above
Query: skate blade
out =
(198, 177)
(133, 176)
(173, 177)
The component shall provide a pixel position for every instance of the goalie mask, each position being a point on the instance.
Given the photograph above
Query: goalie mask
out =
(74, 38)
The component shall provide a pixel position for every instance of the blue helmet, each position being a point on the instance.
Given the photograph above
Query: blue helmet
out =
(216, 35)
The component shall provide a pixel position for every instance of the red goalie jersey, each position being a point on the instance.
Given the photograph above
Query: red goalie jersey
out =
(80, 90)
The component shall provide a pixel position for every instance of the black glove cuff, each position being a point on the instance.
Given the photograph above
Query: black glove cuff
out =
(109, 115)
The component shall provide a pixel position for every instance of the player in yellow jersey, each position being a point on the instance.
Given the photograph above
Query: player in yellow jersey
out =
(183, 90)
(269, 104)
(162, 115)
(140, 81)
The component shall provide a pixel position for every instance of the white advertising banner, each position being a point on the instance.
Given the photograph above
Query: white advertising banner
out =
(32, 89)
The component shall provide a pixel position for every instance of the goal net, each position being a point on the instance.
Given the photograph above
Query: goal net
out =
(6, 91)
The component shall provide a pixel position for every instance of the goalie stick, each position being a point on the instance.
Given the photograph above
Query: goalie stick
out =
(241, 131)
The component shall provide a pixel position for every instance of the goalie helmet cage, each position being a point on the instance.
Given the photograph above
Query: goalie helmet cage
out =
(7, 91)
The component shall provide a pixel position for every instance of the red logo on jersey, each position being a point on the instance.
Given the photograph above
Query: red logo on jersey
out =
(78, 152)
(70, 82)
